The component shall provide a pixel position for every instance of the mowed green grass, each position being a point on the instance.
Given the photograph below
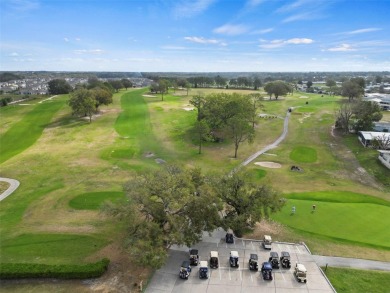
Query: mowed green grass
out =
(49, 248)
(94, 200)
(302, 154)
(358, 281)
(354, 218)
(26, 131)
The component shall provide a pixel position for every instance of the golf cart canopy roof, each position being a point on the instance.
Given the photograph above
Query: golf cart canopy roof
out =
(213, 253)
(301, 268)
(274, 254)
(229, 231)
(254, 256)
(203, 264)
(185, 264)
(267, 266)
(234, 253)
(193, 252)
(284, 254)
(267, 238)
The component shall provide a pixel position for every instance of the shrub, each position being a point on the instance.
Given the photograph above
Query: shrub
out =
(30, 270)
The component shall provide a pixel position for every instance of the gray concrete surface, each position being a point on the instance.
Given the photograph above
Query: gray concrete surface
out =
(14, 184)
(345, 262)
(227, 279)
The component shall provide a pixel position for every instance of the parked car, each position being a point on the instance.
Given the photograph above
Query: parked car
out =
(229, 237)
(285, 260)
(253, 262)
(185, 270)
(267, 240)
(194, 257)
(234, 259)
(203, 270)
(274, 259)
(266, 271)
(214, 260)
(300, 272)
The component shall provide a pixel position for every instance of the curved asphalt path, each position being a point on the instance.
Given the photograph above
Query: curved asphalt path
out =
(14, 184)
(268, 147)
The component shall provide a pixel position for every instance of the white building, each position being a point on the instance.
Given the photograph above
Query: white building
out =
(384, 158)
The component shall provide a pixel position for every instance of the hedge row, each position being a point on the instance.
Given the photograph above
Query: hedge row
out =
(28, 270)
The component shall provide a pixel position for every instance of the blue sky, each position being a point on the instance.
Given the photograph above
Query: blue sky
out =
(197, 35)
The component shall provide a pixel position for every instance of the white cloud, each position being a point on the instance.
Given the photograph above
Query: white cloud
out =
(94, 51)
(172, 48)
(77, 39)
(190, 8)
(364, 30)
(66, 39)
(231, 30)
(281, 43)
(254, 3)
(23, 5)
(292, 6)
(262, 32)
(342, 48)
(13, 54)
(201, 40)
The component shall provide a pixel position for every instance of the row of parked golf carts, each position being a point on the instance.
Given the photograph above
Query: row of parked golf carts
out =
(274, 262)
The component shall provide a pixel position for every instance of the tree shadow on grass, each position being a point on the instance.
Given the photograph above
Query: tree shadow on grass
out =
(68, 122)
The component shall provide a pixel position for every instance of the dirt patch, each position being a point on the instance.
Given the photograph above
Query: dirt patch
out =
(188, 108)
(150, 96)
(304, 116)
(3, 186)
(272, 165)
(303, 97)
(149, 155)
(265, 227)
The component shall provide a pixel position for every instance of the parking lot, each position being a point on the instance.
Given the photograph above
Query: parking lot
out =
(227, 279)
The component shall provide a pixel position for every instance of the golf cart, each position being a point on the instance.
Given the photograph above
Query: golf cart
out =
(274, 259)
(253, 262)
(267, 242)
(214, 261)
(266, 271)
(285, 260)
(203, 270)
(234, 259)
(229, 238)
(194, 257)
(185, 270)
(300, 272)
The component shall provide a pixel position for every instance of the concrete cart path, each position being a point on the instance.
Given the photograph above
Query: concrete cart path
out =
(14, 184)
(268, 147)
(355, 263)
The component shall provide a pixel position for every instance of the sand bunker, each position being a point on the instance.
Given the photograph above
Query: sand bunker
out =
(303, 97)
(149, 96)
(189, 108)
(272, 165)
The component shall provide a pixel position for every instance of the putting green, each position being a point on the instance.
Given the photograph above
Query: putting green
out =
(360, 219)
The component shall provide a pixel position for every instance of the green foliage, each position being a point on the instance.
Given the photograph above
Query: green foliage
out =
(25, 133)
(351, 90)
(4, 101)
(83, 103)
(7, 76)
(59, 87)
(94, 200)
(358, 281)
(245, 202)
(59, 271)
(277, 88)
(260, 173)
(302, 154)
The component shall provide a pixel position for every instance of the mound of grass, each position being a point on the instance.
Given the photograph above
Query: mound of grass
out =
(93, 200)
(303, 154)
(25, 133)
(351, 217)
(49, 248)
(352, 280)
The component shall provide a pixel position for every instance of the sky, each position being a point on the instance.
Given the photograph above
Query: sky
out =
(195, 36)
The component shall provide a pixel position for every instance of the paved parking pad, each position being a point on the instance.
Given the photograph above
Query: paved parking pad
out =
(241, 279)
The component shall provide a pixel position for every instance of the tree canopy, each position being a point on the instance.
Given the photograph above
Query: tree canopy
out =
(277, 88)
(59, 87)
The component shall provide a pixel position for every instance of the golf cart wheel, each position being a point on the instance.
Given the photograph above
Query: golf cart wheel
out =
(305, 281)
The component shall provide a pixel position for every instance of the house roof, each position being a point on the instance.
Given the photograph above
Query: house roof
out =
(370, 135)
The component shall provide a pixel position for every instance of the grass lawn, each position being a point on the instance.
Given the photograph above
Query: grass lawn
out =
(359, 281)
(26, 131)
(94, 200)
(354, 218)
